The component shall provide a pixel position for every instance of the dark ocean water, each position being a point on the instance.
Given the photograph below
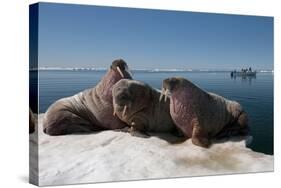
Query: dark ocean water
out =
(255, 94)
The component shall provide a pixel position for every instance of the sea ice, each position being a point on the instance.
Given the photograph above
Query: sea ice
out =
(115, 156)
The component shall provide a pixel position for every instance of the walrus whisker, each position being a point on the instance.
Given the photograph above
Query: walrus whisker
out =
(166, 95)
(124, 111)
(120, 72)
(162, 94)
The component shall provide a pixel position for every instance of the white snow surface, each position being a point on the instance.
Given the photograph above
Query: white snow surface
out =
(118, 156)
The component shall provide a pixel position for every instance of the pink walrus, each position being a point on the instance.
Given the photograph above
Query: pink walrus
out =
(201, 115)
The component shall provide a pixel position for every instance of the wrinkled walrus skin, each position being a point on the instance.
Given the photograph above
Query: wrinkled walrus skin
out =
(89, 110)
(201, 115)
(137, 104)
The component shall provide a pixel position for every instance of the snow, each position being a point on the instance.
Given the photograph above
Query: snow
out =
(118, 156)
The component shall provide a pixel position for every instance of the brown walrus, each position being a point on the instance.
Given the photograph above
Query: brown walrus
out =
(89, 110)
(201, 115)
(32, 122)
(137, 104)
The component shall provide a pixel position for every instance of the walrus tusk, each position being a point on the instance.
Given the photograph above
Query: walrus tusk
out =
(133, 123)
(120, 72)
(166, 95)
(162, 94)
(124, 111)
(114, 112)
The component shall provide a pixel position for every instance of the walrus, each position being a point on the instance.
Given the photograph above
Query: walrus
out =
(89, 110)
(202, 115)
(32, 121)
(137, 104)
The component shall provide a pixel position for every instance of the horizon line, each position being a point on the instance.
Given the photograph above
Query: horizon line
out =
(145, 69)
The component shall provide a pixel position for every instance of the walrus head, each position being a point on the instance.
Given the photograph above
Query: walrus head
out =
(175, 84)
(120, 67)
(130, 98)
(117, 71)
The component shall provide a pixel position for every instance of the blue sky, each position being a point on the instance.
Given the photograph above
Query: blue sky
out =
(92, 36)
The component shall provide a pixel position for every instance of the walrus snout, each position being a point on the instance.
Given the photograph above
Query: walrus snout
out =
(122, 97)
(121, 67)
(168, 85)
(120, 92)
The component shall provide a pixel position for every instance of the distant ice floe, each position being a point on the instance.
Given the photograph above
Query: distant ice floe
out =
(118, 156)
(103, 69)
(169, 70)
(266, 71)
(138, 70)
(72, 68)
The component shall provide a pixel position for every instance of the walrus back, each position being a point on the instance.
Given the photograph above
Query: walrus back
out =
(69, 115)
(222, 112)
(214, 113)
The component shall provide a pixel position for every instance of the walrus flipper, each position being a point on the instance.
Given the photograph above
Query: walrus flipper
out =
(199, 136)
(68, 116)
(243, 123)
(135, 132)
(239, 127)
(67, 123)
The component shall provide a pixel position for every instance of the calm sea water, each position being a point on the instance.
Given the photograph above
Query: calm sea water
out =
(255, 94)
